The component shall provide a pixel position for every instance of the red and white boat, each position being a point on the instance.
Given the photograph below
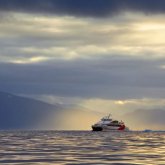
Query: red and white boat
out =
(109, 124)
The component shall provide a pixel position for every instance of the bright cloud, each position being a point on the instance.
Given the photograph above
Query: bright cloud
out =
(29, 60)
(118, 107)
(28, 36)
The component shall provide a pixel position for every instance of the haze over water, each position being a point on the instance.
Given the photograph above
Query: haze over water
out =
(81, 147)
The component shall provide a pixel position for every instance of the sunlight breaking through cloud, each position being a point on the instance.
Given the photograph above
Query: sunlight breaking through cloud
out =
(68, 37)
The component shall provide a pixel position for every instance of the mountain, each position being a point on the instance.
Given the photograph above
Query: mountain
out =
(146, 119)
(25, 113)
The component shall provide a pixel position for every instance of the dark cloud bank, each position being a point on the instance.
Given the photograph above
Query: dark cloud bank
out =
(83, 7)
(100, 78)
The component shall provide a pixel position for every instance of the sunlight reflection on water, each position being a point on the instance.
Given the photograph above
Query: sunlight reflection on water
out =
(81, 147)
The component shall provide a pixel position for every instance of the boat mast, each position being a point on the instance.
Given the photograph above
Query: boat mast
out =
(109, 116)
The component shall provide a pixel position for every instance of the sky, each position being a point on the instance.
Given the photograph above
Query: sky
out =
(103, 55)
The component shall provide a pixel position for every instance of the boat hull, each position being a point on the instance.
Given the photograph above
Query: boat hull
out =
(97, 128)
(109, 128)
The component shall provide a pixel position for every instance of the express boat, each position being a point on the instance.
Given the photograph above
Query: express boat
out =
(109, 124)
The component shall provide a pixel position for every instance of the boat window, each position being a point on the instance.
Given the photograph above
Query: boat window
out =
(115, 121)
(106, 119)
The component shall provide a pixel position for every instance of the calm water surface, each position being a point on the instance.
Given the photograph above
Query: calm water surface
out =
(81, 147)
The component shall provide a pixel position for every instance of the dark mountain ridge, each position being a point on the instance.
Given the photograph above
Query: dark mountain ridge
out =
(18, 112)
(146, 119)
(23, 113)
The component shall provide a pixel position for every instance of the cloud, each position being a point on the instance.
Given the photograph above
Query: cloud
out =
(117, 57)
(110, 78)
(70, 56)
(84, 8)
(68, 38)
(120, 107)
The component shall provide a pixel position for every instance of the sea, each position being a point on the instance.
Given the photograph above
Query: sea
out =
(81, 148)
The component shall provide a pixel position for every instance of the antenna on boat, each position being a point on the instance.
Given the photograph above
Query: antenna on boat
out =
(109, 116)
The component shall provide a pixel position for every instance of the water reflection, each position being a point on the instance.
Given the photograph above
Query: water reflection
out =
(81, 147)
